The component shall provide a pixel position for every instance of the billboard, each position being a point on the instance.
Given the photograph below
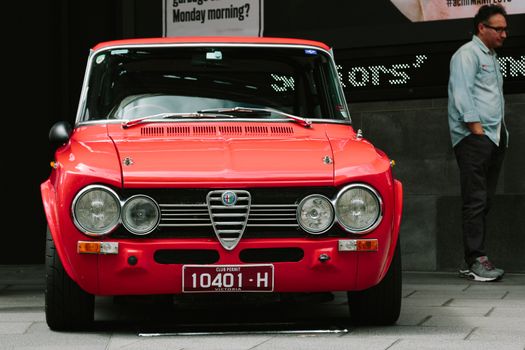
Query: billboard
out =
(435, 10)
(403, 51)
(212, 17)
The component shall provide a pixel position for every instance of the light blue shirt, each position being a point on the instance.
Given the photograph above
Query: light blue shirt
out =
(475, 92)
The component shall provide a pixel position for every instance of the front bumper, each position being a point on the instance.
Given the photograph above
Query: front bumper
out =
(134, 270)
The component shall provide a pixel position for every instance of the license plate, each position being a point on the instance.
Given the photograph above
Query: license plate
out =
(227, 278)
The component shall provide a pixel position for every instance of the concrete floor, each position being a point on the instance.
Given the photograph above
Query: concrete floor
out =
(439, 311)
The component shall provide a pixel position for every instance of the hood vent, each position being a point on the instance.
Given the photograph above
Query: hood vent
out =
(230, 130)
(223, 130)
(281, 130)
(178, 130)
(152, 131)
(256, 130)
(204, 130)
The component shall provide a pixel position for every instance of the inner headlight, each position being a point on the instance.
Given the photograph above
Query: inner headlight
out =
(140, 215)
(358, 208)
(96, 210)
(315, 214)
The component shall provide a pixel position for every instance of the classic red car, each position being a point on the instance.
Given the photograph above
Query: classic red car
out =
(218, 165)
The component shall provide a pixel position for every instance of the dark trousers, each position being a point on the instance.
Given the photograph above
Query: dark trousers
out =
(479, 161)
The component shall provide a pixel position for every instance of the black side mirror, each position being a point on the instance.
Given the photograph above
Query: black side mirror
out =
(60, 133)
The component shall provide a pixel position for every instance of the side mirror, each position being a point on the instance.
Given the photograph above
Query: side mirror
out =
(60, 133)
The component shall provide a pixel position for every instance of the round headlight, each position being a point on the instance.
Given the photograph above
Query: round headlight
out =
(358, 208)
(315, 214)
(96, 210)
(140, 215)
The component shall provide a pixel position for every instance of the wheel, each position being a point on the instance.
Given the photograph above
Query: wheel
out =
(379, 305)
(68, 307)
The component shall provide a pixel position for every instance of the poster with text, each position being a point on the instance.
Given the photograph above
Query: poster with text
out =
(213, 17)
(433, 10)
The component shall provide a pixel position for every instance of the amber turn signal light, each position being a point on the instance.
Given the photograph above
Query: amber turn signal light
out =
(92, 247)
(358, 245)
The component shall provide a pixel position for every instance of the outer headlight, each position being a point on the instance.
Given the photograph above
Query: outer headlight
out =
(315, 214)
(140, 215)
(96, 210)
(358, 208)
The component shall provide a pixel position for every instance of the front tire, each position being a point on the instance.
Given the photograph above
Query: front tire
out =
(379, 305)
(67, 306)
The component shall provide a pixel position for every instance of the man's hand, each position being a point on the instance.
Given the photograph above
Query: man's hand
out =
(476, 128)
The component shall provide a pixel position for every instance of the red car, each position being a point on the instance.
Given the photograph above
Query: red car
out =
(218, 165)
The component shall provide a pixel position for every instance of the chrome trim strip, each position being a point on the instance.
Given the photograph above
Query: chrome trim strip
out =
(209, 225)
(273, 219)
(229, 223)
(210, 120)
(270, 225)
(170, 213)
(214, 44)
(273, 214)
(99, 121)
(226, 215)
(232, 207)
(298, 331)
(255, 206)
(187, 219)
(185, 225)
(203, 205)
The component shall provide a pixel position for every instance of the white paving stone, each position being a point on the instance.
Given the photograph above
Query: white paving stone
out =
(450, 311)
(14, 327)
(468, 294)
(497, 323)
(14, 315)
(411, 344)
(508, 312)
(226, 342)
(435, 333)
(489, 334)
(325, 343)
(488, 302)
(39, 335)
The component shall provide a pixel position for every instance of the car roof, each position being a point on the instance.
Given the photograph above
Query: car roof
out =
(211, 39)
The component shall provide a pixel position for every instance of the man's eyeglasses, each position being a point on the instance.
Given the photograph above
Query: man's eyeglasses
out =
(498, 30)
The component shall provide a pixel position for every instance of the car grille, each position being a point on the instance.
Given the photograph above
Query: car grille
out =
(197, 215)
(185, 213)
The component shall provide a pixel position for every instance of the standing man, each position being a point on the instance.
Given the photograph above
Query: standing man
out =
(478, 132)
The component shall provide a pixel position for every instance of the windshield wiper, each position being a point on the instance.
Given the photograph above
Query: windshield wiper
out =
(132, 122)
(260, 111)
(218, 113)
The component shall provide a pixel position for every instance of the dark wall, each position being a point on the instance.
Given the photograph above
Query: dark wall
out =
(46, 72)
(29, 84)
(415, 134)
(47, 69)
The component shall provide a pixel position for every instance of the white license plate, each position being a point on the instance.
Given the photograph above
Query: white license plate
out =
(227, 278)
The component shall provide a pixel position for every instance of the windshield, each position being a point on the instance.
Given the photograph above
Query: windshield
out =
(140, 82)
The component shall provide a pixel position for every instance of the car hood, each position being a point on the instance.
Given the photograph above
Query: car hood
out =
(223, 155)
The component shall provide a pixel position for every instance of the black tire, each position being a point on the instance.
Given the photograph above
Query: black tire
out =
(68, 307)
(379, 305)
